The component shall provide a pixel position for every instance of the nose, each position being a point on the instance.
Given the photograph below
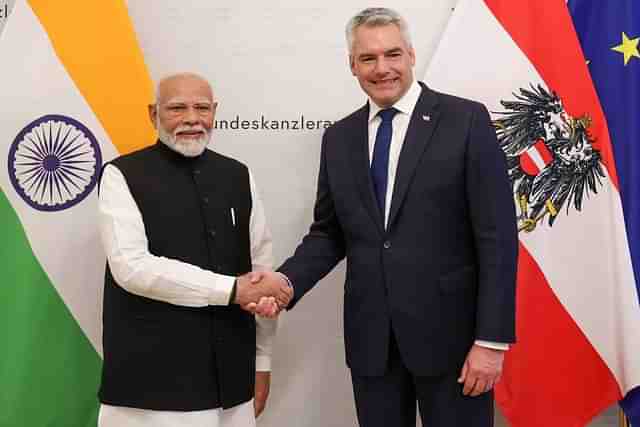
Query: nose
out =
(382, 67)
(190, 116)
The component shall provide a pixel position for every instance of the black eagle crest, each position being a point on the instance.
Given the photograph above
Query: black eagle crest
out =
(550, 155)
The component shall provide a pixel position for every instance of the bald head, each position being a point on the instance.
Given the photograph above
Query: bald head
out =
(183, 113)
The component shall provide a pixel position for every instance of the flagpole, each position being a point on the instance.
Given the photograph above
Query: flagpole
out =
(622, 419)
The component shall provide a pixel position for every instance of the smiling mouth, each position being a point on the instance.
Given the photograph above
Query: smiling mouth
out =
(386, 82)
(190, 134)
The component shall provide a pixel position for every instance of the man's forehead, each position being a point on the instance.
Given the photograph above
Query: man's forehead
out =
(185, 88)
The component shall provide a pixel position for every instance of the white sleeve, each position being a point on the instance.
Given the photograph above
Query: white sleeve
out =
(135, 269)
(261, 259)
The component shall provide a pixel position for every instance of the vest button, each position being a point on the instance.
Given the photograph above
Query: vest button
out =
(212, 233)
(205, 200)
(386, 244)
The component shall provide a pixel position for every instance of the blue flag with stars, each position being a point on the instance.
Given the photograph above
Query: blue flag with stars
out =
(609, 32)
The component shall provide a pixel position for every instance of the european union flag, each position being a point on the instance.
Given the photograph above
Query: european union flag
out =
(609, 32)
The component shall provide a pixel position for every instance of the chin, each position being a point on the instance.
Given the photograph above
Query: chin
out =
(191, 147)
(385, 102)
(386, 97)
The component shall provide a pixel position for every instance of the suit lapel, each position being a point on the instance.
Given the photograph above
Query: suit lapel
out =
(359, 148)
(421, 126)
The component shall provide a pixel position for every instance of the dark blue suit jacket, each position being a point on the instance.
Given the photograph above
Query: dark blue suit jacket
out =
(443, 272)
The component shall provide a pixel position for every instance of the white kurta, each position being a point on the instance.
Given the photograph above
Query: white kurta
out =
(141, 273)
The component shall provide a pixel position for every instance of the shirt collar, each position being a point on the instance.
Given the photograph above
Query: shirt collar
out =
(405, 105)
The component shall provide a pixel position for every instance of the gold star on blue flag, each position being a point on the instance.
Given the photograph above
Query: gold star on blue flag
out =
(628, 47)
(609, 33)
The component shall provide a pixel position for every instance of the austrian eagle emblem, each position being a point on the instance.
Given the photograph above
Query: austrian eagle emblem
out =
(551, 159)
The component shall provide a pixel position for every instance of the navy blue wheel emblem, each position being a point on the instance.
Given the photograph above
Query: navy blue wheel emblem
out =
(54, 163)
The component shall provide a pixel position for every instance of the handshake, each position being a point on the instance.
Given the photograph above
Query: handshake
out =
(264, 293)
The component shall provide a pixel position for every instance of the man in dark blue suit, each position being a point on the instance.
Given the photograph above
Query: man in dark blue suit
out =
(413, 191)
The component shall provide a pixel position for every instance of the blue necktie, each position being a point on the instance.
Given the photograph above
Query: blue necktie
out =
(380, 162)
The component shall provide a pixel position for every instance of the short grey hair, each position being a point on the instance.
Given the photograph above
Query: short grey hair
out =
(180, 74)
(377, 17)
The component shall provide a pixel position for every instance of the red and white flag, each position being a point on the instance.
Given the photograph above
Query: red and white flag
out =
(578, 324)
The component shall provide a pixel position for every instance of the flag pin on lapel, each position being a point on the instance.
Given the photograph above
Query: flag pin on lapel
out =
(426, 118)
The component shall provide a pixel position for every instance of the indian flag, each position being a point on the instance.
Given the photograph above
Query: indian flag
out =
(578, 320)
(74, 92)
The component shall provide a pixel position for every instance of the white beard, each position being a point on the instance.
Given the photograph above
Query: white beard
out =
(186, 147)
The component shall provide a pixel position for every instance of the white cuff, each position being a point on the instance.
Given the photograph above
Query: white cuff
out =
(286, 279)
(221, 291)
(263, 363)
(493, 345)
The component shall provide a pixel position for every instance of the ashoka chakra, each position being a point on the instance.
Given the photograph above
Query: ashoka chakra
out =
(54, 163)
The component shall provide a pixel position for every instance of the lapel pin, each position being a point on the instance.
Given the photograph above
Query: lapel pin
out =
(426, 118)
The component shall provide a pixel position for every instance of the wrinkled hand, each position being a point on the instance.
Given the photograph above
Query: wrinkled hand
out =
(263, 383)
(264, 293)
(271, 308)
(266, 307)
(481, 370)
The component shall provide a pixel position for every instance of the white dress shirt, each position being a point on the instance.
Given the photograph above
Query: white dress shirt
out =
(400, 124)
(138, 271)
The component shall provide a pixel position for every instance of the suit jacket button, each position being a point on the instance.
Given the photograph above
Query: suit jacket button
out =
(212, 233)
(386, 244)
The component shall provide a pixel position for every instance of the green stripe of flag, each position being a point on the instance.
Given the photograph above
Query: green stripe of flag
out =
(49, 371)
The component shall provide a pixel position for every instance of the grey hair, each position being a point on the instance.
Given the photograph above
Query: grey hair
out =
(377, 17)
(177, 75)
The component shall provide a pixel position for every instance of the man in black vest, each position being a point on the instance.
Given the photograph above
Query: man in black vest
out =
(182, 226)
(413, 191)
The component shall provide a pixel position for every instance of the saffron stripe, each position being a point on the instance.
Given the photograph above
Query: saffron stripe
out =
(85, 46)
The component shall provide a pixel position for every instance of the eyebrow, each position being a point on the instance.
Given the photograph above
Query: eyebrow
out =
(386, 52)
(208, 103)
(393, 50)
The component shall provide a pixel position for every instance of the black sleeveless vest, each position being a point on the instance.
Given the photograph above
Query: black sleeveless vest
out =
(167, 357)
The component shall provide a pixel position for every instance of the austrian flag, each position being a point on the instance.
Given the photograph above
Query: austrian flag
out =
(578, 317)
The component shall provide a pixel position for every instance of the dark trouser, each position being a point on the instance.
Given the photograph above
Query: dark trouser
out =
(390, 400)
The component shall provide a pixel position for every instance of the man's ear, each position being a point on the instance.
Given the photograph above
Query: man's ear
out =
(412, 56)
(352, 65)
(153, 108)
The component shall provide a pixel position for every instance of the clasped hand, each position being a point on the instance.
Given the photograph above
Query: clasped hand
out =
(264, 293)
